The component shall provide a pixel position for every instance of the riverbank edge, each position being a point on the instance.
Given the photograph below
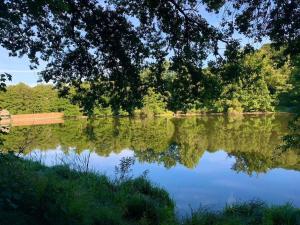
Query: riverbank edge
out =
(182, 115)
(32, 193)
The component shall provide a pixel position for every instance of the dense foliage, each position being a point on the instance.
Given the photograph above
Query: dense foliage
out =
(292, 101)
(153, 104)
(254, 83)
(20, 99)
(106, 44)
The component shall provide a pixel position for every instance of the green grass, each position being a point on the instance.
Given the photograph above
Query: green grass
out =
(35, 194)
(250, 213)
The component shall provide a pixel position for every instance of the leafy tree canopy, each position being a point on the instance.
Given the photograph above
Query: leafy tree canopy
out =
(106, 43)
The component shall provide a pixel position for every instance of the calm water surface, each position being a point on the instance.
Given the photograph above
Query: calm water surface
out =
(209, 161)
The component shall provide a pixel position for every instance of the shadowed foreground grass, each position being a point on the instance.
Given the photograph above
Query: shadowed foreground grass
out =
(250, 213)
(34, 194)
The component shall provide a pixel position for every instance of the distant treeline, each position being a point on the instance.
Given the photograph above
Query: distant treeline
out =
(22, 99)
(256, 82)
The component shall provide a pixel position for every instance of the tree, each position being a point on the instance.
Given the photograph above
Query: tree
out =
(106, 44)
(253, 81)
(277, 20)
(292, 140)
(22, 98)
(3, 78)
(97, 43)
(18, 99)
(153, 104)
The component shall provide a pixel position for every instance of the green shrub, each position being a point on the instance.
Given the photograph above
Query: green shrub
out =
(153, 104)
(234, 106)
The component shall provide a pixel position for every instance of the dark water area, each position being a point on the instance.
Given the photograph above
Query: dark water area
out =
(201, 161)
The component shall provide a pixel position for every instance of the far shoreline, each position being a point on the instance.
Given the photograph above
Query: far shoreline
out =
(183, 115)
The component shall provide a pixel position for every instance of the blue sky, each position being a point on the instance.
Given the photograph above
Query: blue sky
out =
(18, 67)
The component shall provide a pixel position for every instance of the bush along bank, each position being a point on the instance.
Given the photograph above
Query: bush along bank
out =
(35, 194)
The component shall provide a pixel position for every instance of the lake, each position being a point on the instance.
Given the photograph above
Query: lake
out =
(206, 161)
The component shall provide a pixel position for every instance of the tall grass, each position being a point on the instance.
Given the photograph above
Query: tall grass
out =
(34, 194)
(249, 213)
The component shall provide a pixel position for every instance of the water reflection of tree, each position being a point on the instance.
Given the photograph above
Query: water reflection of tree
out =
(252, 141)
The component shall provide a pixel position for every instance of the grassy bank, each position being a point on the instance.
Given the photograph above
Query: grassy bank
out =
(250, 213)
(34, 194)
